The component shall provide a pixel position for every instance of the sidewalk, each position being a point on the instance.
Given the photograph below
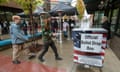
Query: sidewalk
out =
(111, 64)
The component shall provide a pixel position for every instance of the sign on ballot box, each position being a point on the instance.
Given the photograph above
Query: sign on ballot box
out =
(91, 43)
(89, 46)
(91, 60)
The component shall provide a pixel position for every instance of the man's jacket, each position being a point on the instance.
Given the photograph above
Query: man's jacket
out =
(17, 35)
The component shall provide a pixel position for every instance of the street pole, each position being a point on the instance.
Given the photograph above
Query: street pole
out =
(60, 24)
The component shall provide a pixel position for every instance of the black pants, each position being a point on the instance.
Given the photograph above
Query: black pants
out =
(46, 46)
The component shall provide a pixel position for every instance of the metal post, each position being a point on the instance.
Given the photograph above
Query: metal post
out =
(68, 33)
(60, 28)
(41, 24)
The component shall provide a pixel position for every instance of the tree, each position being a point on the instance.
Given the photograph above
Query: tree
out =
(29, 6)
(3, 1)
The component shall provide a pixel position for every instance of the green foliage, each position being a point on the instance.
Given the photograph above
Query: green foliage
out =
(28, 4)
(3, 1)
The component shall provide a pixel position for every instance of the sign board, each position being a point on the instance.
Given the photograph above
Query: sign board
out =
(91, 43)
(90, 61)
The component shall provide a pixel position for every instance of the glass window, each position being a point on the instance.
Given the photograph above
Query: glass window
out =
(118, 29)
(114, 19)
(97, 19)
(5, 19)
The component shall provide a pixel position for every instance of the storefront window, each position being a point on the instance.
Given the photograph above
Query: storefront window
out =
(97, 19)
(5, 19)
(115, 23)
(114, 19)
(118, 29)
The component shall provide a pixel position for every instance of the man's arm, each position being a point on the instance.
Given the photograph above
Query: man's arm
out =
(19, 34)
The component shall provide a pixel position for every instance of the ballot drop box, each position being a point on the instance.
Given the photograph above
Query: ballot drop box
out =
(89, 46)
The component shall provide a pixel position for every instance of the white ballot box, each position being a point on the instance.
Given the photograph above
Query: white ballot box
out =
(89, 46)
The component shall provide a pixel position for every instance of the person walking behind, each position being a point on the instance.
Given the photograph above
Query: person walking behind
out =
(18, 38)
(65, 28)
(47, 40)
(106, 25)
(24, 27)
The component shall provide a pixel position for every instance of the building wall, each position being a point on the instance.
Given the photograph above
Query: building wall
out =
(46, 5)
(115, 45)
(54, 2)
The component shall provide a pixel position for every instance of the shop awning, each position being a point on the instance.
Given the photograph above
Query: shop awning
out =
(66, 9)
(10, 6)
(37, 12)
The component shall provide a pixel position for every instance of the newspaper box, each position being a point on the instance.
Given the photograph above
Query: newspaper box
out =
(89, 46)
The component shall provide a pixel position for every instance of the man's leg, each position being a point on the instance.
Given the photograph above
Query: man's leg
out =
(16, 54)
(45, 49)
(52, 44)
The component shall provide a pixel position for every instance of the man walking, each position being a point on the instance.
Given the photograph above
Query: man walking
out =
(47, 39)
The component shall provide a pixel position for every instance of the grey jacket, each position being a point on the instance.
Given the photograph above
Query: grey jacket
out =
(17, 35)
